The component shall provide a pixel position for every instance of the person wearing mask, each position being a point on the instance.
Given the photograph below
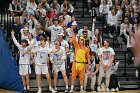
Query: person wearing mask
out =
(81, 57)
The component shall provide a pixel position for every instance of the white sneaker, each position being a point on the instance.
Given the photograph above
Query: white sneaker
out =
(82, 91)
(117, 89)
(110, 35)
(71, 91)
(99, 89)
(107, 89)
(39, 91)
(89, 10)
(113, 90)
(52, 90)
(92, 90)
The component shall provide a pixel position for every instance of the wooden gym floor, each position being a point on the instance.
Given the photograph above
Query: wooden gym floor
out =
(126, 91)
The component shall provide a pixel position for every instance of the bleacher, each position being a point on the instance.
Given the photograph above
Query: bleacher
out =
(126, 73)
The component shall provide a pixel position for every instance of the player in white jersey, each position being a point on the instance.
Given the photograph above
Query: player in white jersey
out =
(24, 61)
(58, 59)
(41, 64)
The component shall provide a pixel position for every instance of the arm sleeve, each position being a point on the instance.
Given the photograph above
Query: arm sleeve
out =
(75, 43)
(71, 8)
(15, 42)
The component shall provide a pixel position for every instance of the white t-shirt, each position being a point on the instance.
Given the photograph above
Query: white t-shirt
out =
(24, 37)
(80, 33)
(55, 31)
(24, 56)
(68, 30)
(41, 57)
(30, 42)
(64, 44)
(106, 54)
(59, 57)
(93, 47)
(104, 9)
(67, 19)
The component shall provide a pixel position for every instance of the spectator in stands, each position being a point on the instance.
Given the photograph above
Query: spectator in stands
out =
(41, 32)
(99, 37)
(32, 24)
(114, 85)
(135, 16)
(24, 61)
(87, 40)
(62, 22)
(66, 16)
(68, 7)
(37, 15)
(15, 8)
(103, 10)
(41, 10)
(31, 7)
(55, 29)
(135, 5)
(125, 5)
(72, 20)
(24, 17)
(68, 31)
(41, 67)
(58, 60)
(30, 39)
(56, 6)
(95, 45)
(117, 3)
(85, 28)
(126, 28)
(131, 11)
(71, 55)
(38, 26)
(25, 33)
(130, 48)
(45, 5)
(17, 27)
(82, 57)
(51, 14)
(63, 42)
(23, 4)
(109, 2)
(106, 57)
(112, 21)
(91, 72)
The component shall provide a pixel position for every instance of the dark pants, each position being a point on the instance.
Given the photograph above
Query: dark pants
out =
(112, 29)
(113, 82)
(130, 52)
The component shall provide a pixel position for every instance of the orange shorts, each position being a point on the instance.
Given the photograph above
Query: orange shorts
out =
(78, 72)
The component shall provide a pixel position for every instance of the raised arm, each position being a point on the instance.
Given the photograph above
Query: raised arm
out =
(75, 43)
(14, 40)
